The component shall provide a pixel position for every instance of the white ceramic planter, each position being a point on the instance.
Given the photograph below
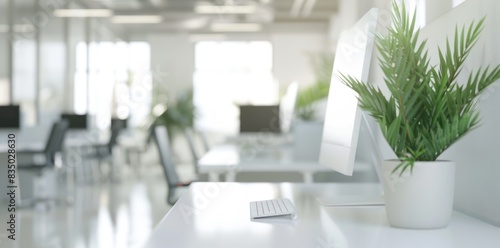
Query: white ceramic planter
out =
(422, 199)
(307, 140)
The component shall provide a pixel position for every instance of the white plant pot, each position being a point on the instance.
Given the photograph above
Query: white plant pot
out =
(422, 199)
(307, 140)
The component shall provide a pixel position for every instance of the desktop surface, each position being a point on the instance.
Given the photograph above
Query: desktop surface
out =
(218, 215)
(230, 159)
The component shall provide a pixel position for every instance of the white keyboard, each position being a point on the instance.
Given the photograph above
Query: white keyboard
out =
(272, 208)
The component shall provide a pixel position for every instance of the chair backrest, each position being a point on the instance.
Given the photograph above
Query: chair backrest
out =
(63, 129)
(204, 141)
(115, 131)
(56, 139)
(192, 147)
(161, 138)
(50, 146)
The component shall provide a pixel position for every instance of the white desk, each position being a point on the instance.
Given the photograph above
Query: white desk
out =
(230, 159)
(217, 215)
(21, 146)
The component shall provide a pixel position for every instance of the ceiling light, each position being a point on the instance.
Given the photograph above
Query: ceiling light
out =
(18, 28)
(236, 27)
(207, 37)
(226, 9)
(83, 13)
(195, 23)
(136, 19)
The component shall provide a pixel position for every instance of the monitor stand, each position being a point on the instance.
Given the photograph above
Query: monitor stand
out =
(353, 201)
(362, 199)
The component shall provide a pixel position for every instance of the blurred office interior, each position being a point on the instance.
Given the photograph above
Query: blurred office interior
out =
(88, 81)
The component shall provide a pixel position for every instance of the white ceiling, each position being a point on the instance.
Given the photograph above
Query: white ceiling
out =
(179, 15)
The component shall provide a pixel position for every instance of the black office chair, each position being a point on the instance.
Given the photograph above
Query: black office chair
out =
(160, 136)
(103, 152)
(39, 161)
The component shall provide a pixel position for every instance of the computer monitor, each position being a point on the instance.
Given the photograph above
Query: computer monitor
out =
(344, 120)
(287, 106)
(10, 116)
(254, 119)
(343, 116)
(119, 123)
(76, 121)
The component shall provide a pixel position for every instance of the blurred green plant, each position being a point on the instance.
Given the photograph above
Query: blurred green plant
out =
(177, 114)
(322, 64)
(306, 99)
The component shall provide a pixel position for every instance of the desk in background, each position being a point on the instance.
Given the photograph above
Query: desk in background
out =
(231, 159)
(218, 215)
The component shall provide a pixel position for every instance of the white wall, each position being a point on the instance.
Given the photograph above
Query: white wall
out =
(435, 9)
(477, 155)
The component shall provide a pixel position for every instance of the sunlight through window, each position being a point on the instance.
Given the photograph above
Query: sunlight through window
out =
(228, 74)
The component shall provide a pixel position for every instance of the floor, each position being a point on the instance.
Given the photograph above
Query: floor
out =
(104, 215)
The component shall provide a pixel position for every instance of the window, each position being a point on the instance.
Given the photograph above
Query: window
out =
(228, 74)
(119, 77)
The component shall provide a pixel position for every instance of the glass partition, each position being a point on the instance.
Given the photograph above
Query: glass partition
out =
(52, 66)
(4, 58)
(77, 65)
(24, 61)
(101, 74)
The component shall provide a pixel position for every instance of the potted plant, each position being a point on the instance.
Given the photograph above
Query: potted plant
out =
(427, 111)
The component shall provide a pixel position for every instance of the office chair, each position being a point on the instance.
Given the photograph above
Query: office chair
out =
(189, 132)
(103, 152)
(160, 135)
(191, 137)
(139, 148)
(39, 161)
(204, 141)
